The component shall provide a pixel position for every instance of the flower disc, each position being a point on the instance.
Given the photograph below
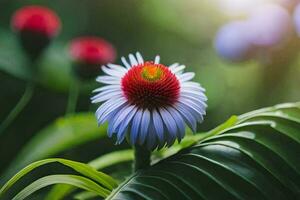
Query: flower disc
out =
(150, 86)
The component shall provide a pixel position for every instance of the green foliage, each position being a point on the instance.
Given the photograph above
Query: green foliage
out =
(60, 191)
(255, 158)
(12, 61)
(53, 70)
(106, 182)
(77, 181)
(65, 133)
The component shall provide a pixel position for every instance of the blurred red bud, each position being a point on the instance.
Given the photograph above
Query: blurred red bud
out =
(89, 53)
(36, 26)
(36, 19)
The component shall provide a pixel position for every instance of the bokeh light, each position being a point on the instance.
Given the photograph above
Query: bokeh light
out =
(269, 25)
(232, 41)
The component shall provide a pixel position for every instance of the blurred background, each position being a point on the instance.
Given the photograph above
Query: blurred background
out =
(211, 37)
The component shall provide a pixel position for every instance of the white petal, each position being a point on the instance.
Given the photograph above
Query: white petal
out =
(112, 72)
(125, 63)
(157, 59)
(104, 93)
(193, 93)
(192, 85)
(108, 79)
(192, 90)
(103, 96)
(173, 66)
(186, 76)
(178, 70)
(117, 67)
(139, 58)
(198, 101)
(132, 59)
(201, 101)
(108, 87)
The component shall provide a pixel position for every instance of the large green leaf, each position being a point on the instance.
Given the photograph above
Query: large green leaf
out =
(63, 134)
(76, 181)
(106, 182)
(60, 191)
(256, 157)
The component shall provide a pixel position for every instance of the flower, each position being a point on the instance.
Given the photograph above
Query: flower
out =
(36, 26)
(89, 52)
(149, 102)
(92, 50)
(36, 19)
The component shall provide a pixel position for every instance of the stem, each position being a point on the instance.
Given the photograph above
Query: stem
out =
(73, 97)
(19, 107)
(142, 157)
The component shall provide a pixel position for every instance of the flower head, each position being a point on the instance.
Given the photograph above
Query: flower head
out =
(90, 52)
(149, 102)
(36, 26)
(36, 19)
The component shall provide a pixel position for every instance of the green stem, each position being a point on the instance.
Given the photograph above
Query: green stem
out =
(19, 107)
(73, 97)
(142, 157)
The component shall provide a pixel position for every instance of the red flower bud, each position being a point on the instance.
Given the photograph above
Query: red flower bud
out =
(89, 53)
(36, 19)
(92, 50)
(36, 26)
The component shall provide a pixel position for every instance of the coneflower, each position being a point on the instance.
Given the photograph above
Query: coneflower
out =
(149, 102)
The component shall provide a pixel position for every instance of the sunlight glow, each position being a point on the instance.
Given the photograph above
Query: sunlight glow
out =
(240, 7)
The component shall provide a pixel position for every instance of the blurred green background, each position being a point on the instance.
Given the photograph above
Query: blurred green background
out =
(179, 31)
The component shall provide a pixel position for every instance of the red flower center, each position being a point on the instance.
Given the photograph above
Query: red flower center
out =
(150, 86)
(37, 19)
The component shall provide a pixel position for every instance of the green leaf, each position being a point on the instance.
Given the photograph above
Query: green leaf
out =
(112, 158)
(192, 139)
(65, 133)
(81, 168)
(255, 156)
(84, 195)
(12, 59)
(77, 181)
(60, 191)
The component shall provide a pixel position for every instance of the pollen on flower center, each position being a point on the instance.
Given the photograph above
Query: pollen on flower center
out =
(150, 86)
(152, 72)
